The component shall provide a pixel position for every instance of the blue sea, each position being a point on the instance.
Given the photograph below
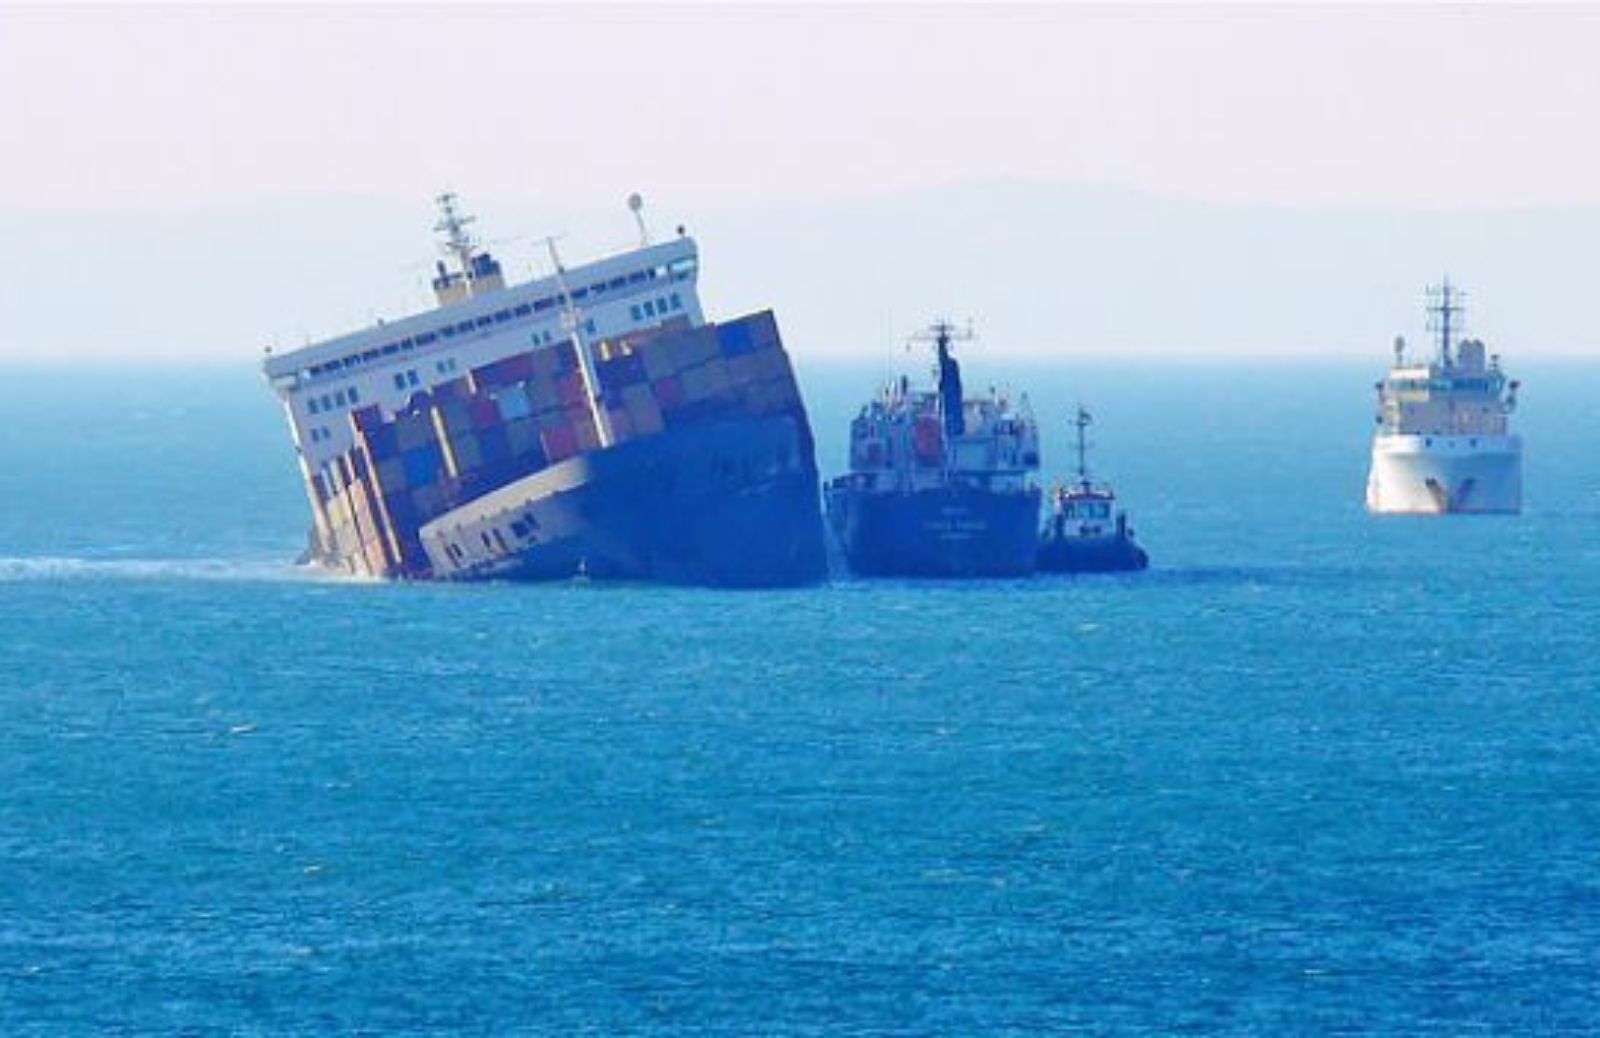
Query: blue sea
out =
(1313, 773)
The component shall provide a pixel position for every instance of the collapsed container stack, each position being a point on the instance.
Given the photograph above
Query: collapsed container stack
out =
(522, 413)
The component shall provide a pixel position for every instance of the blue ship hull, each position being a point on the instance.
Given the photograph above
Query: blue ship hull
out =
(725, 504)
(945, 532)
(1091, 555)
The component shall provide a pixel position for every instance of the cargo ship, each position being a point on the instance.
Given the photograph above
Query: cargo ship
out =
(1086, 532)
(940, 485)
(590, 422)
(1443, 444)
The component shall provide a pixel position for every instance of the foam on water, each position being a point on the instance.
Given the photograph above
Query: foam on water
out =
(53, 569)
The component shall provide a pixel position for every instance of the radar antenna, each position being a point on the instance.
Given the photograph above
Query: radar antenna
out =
(636, 204)
(452, 224)
(1444, 307)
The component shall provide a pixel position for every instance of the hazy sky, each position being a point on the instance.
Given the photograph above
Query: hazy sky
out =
(1458, 104)
(192, 114)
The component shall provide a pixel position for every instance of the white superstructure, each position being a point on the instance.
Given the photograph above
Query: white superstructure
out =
(1443, 444)
(478, 319)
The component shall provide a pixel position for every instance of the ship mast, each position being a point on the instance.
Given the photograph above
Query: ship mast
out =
(452, 224)
(1081, 422)
(1444, 306)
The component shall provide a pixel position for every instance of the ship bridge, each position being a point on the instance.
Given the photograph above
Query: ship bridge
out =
(479, 320)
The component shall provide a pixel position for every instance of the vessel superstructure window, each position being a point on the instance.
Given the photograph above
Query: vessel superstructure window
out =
(649, 308)
(677, 301)
(339, 398)
(464, 327)
(311, 405)
(638, 314)
(355, 398)
(502, 316)
(523, 310)
(485, 321)
(327, 401)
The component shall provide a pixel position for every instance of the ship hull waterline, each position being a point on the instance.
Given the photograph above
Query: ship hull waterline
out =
(1445, 475)
(1091, 555)
(729, 504)
(948, 532)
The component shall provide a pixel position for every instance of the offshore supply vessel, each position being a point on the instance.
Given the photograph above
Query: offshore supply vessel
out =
(589, 422)
(1085, 532)
(1443, 444)
(940, 485)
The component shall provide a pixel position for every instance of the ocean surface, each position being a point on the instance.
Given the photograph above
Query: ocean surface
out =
(1314, 773)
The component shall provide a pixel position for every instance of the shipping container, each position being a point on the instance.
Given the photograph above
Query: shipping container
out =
(705, 381)
(523, 436)
(504, 372)
(668, 394)
(513, 403)
(424, 465)
(560, 442)
(735, 339)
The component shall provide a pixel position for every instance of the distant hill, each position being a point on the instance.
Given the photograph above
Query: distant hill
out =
(1045, 270)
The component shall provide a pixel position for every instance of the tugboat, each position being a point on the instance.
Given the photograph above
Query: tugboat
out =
(1086, 533)
(940, 485)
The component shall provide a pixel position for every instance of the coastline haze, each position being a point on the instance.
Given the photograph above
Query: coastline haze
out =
(1092, 181)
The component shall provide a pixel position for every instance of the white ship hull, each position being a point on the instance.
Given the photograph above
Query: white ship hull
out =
(1445, 475)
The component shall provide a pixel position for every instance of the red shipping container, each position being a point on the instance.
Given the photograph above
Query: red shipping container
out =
(504, 372)
(669, 393)
(570, 388)
(485, 415)
(559, 442)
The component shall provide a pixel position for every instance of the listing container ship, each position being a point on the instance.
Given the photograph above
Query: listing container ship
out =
(1443, 445)
(587, 423)
(940, 485)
